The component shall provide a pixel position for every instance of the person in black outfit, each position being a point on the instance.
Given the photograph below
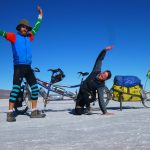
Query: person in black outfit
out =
(95, 81)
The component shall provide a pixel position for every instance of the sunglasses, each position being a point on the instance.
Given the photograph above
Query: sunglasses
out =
(24, 26)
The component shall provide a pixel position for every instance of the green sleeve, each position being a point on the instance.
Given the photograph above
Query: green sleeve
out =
(2, 33)
(37, 25)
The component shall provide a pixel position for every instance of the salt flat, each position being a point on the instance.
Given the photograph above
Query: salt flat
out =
(128, 129)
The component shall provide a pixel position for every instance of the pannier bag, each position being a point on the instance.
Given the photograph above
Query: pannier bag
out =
(128, 87)
(57, 76)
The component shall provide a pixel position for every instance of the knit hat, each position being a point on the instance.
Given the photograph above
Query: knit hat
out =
(23, 22)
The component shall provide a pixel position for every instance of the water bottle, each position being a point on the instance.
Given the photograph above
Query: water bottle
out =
(42, 92)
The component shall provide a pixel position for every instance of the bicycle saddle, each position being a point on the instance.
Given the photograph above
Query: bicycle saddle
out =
(83, 73)
(55, 70)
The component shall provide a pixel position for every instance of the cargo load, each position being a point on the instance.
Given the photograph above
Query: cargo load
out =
(127, 88)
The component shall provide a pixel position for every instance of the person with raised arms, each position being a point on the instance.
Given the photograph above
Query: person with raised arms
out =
(22, 59)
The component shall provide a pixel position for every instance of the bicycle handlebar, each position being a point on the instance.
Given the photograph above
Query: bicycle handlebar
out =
(83, 73)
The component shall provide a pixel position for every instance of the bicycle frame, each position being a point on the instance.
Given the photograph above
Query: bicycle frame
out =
(59, 89)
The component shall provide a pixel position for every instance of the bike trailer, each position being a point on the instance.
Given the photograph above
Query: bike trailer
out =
(127, 88)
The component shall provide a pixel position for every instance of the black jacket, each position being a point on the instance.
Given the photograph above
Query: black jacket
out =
(91, 83)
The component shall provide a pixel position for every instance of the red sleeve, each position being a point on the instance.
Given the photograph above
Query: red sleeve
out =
(10, 37)
(31, 36)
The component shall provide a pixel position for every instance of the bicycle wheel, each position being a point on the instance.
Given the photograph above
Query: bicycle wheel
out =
(146, 98)
(104, 94)
(22, 103)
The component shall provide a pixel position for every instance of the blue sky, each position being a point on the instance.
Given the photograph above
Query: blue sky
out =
(73, 32)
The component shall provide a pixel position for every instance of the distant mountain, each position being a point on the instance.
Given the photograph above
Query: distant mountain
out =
(4, 94)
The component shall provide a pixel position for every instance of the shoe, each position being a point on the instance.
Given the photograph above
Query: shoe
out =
(79, 110)
(88, 111)
(11, 117)
(37, 114)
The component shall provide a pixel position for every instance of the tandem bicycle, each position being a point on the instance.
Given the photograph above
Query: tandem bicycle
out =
(23, 102)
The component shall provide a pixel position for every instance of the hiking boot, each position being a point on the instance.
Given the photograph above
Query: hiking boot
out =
(11, 117)
(37, 114)
(88, 111)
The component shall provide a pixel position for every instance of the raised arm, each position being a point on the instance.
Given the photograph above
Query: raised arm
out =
(38, 23)
(8, 35)
(98, 63)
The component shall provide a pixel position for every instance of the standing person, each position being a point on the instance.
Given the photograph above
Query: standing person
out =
(22, 59)
(93, 82)
(148, 74)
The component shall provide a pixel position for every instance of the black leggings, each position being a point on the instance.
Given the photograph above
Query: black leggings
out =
(81, 101)
(20, 72)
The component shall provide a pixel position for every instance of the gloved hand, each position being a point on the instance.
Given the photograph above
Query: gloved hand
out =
(2, 33)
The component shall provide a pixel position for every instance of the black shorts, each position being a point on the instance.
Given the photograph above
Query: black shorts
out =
(23, 71)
